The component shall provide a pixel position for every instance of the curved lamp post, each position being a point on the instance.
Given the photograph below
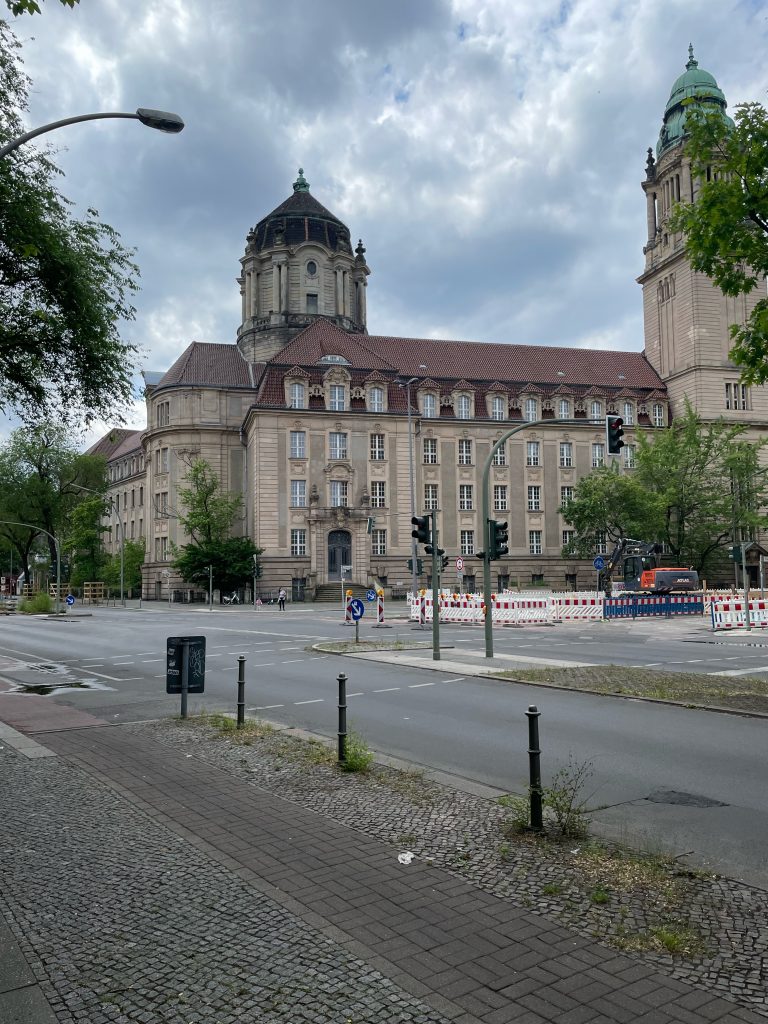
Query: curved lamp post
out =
(29, 526)
(162, 120)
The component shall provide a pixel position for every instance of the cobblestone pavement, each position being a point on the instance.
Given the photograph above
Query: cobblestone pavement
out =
(149, 878)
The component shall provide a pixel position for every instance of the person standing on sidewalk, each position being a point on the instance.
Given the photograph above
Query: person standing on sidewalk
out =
(281, 599)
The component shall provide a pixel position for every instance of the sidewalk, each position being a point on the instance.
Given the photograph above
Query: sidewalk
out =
(143, 884)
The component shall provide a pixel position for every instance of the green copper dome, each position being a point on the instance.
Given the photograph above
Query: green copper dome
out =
(694, 86)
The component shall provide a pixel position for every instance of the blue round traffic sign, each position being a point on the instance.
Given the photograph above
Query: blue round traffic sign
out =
(70, 599)
(370, 595)
(356, 609)
(599, 562)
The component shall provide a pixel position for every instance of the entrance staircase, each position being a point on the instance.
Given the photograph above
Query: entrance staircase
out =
(330, 593)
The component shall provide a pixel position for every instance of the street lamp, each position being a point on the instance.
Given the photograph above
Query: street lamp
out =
(162, 120)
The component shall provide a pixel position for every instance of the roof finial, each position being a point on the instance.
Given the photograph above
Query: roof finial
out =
(692, 62)
(301, 184)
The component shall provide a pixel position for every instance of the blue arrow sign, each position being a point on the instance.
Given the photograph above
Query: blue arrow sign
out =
(70, 599)
(370, 595)
(357, 609)
(599, 562)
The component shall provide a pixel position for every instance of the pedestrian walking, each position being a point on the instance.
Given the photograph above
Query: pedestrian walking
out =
(281, 599)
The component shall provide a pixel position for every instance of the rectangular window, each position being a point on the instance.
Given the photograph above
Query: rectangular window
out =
(596, 411)
(337, 444)
(629, 456)
(164, 504)
(298, 444)
(163, 414)
(311, 302)
(133, 498)
(336, 395)
(736, 396)
(566, 454)
(499, 497)
(338, 493)
(431, 499)
(467, 542)
(500, 456)
(658, 415)
(163, 546)
(629, 414)
(464, 407)
(531, 409)
(378, 542)
(165, 460)
(568, 537)
(133, 526)
(465, 497)
(532, 453)
(534, 498)
(465, 452)
(298, 493)
(298, 543)
(157, 462)
(378, 494)
(601, 544)
(566, 495)
(534, 542)
(428, 406)
(377, 447)
(498, 408)
(598, 455)
(296, 394)
(141, 527)
(430, 451)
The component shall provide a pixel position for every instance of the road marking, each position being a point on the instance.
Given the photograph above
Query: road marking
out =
(149, 661)
(458, 679)
(415, 686)
(114, 679)
(388, 689)
(263, 664)
(650, 664)
(293, 661)
(319, 700)
(266, 707)
(359, 693)
(740, 671)
(318, 657)
(207, 657)
(262, 632)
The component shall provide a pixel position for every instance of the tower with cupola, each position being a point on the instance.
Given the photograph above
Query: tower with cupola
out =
(299, 266)
(686, 317)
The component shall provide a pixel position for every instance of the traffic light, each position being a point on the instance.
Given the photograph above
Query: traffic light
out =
(498, 538)
(444, 563)
(613, 434)
(423, 531)
(419, 566)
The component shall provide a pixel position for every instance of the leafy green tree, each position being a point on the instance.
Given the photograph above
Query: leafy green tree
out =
(65, 283)
(208, 517)
(134, 554)
(84, 540)
(697, 486)
(726, 228)
(32, 7)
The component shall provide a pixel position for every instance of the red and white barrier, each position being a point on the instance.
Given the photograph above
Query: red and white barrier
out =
(577, 606)
(731, 614)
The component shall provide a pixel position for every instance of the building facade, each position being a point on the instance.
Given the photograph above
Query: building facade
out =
(307, 415)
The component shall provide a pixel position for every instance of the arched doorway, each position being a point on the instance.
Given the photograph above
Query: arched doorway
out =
(339, 552)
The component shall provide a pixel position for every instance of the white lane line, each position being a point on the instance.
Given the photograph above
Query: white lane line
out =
(650, 664)
(263, 664)
(360, 693)
(207, 657)
(740, 671)
(27, 654)
(262, 632)
(266, 707)
(694, 661)
(415, 686)
(149, 661)
(114, 679)
(318, 657)
(387, 689)
(464, 640)
(458, 679)
(293, 661)
(319, 700)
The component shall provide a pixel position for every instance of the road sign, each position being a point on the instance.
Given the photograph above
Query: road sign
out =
(370, 595)
(459, 564)
(356, 609)
(70, 599)
(599, 563)
(196, 666)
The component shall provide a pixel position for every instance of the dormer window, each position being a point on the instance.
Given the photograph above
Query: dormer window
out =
(498, 408)
(297, 395)
(629, 413)
(531, 409)
(658, 415)
(337, 397)
(563, 409)
(331, 358)
(312, 302)
(428, 406)
(376, 399)
(464, 407)
(596, 411)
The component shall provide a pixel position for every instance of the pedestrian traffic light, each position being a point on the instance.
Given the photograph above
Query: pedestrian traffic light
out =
(498, 538)
(613, 434)
(423, 531)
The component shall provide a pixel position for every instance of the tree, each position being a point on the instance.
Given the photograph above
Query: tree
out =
(697, 487)
(32, 7)
(65, 283)
(726, 228)
(208, 519)
(134, 554)
(84, 540)
(43, 477)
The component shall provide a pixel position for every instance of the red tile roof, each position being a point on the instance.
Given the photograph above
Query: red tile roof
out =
(114, 442)
(205, 364)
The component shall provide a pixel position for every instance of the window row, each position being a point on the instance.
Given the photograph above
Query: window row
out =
(338, 400)
(134, 494)
(125, 468)
(299, 542)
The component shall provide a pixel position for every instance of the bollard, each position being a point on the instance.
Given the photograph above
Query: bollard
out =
(342, 718)
(240, 692)
(534, 761)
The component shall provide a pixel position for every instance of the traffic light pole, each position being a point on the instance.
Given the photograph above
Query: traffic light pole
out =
(488, 611)
(436, 565)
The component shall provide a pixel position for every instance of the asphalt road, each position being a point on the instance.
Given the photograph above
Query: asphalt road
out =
(446, 720)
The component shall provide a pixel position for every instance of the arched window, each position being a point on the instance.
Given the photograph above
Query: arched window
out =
(428, 406)
(596, 411)
(463, 407)
(563, 409)
(531, 409)
(296, 392)
(498, 410)
(376, 400)
(658, 415)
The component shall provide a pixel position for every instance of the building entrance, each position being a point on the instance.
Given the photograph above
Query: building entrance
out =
(339, 552)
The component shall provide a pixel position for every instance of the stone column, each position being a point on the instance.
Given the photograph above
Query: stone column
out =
(247, 306)
(284, 287)
(242, 298)
(275, 286)
(686, 187)
(362, 311)
(255, 298)
(339, 293)
(650, 214)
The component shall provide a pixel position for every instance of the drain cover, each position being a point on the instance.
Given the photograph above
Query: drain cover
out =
(671, 796)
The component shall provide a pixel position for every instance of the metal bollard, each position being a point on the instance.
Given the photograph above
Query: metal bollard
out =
(534, 761)
(240, 692)
(342, 718)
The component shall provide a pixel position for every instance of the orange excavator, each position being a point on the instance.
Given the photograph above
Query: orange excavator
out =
(635, 567)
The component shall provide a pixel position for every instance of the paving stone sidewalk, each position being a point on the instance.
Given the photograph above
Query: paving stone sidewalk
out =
(152, 886)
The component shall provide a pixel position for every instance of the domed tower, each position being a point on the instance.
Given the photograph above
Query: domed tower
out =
(298, 266)
(686, 317)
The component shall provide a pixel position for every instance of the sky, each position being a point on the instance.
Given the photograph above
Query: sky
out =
(489, 153)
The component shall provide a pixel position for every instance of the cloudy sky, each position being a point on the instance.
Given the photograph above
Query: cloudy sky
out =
(488, 152)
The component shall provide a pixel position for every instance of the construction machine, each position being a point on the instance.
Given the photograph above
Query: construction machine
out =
(635, 566)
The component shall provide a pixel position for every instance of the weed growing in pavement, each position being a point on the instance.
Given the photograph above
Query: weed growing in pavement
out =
(599, 896)
(358, 756)
(552, 889)
(564, 799)
(40, 604)
(679, 940)
(519, 818)
(226, 726)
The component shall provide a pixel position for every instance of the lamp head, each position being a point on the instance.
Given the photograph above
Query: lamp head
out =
(163, 120)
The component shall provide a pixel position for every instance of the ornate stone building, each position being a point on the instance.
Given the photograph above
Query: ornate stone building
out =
(306, 414)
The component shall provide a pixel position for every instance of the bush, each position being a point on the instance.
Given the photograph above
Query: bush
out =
(40, 604)
(358, 757)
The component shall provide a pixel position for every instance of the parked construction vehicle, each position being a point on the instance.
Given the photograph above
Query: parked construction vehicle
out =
(635, 567)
